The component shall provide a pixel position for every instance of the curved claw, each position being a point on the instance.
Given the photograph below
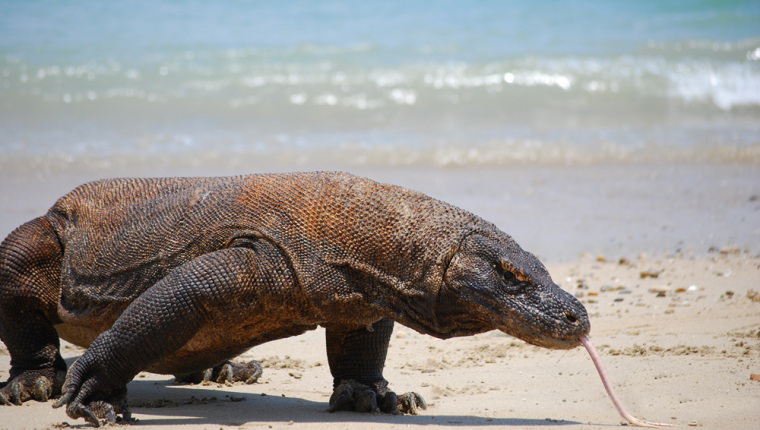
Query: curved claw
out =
(411, 403)
(208, 374)
(4, 400)
(389, 403)
(42, 390)
(256, 371)
(365, 400)
(16, 396)
(341, 398)
(225, 374)
(89, 416)
(68, 394)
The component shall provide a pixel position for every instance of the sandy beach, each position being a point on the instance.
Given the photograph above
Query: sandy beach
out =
(664, 256)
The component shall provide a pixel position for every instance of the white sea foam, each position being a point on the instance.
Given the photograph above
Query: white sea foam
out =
(486, 83)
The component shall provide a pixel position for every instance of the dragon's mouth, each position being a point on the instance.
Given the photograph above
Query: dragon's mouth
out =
(558, 330)
(544, 340)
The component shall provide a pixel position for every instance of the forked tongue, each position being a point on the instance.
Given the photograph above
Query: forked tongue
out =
(602, 374)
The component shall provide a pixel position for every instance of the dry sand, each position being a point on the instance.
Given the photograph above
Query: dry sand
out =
(677, 321)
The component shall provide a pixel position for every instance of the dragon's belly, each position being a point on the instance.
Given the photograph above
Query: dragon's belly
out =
(81, 336)
(215, 343)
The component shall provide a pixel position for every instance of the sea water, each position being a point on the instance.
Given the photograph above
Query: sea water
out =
(435, 83)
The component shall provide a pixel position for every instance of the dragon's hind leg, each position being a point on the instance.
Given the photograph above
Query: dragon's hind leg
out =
(30, 267)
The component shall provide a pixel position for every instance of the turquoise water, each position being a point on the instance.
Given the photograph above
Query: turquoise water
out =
(393, 82)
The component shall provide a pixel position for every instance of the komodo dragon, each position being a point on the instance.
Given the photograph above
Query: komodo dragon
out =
(175, 276)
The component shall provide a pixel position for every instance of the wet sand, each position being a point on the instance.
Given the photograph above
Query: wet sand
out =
(665, 258)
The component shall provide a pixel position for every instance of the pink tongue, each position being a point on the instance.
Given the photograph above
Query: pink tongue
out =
(602, 374)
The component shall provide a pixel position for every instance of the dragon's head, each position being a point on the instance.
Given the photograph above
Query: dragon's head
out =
(492, 283)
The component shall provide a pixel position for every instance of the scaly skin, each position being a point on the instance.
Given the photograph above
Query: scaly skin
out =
(178, 275)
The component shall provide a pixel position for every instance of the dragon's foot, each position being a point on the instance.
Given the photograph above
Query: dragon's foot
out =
(351, 395)
(93, 411)
(26, 385)
(93, 393)
(229, 371)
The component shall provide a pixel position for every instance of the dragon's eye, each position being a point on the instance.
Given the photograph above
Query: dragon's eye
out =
(504, 271)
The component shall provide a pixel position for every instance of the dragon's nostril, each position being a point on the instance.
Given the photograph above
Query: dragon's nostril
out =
(570, 317)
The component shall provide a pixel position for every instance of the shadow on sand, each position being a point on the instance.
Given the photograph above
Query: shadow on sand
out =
(162, 403)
